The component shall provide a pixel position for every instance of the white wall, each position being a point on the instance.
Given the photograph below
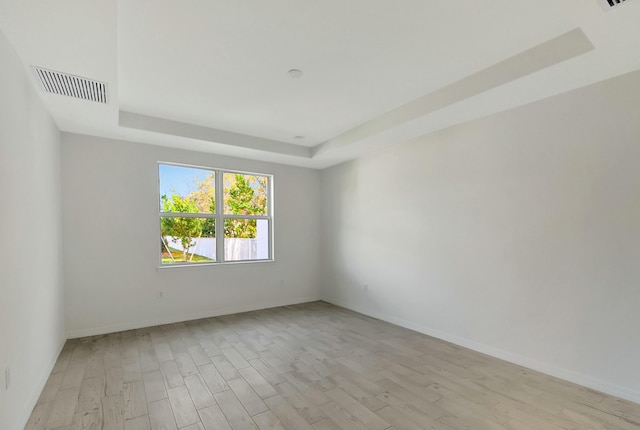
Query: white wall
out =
(31, 301)
(109, 195)
(517, 235)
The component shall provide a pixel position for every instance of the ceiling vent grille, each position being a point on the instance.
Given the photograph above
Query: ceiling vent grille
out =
(72, 86)
(608, 4)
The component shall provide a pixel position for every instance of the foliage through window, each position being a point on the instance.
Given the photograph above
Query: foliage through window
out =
(195, 201)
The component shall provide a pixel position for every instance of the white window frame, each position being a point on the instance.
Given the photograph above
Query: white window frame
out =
(218, 216)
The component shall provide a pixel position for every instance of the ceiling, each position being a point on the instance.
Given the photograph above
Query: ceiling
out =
(211, 75)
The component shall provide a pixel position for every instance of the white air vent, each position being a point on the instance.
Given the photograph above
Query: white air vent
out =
(72, 86)
(609, 4)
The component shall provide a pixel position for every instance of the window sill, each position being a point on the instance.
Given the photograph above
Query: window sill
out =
(221, 264)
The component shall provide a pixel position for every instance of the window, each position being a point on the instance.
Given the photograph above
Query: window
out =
(213, 216)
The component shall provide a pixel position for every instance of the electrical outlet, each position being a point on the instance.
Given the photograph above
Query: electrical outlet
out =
(7, 378)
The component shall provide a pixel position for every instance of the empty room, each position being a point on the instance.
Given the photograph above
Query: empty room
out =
(320, 215)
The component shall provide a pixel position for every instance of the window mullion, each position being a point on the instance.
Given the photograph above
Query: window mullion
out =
(230, 216)
(270, 213)
(219, 185)
(186, 215)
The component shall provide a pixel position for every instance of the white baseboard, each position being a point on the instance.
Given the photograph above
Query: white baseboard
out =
(72, 334)
(35, 394)
(546, 368)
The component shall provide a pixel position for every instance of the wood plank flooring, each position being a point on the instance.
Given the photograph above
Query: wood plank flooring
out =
(305, 367)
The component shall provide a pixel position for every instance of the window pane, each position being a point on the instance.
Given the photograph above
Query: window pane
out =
(186, 189)
(246, 239)
(245, 194)
(187, 240)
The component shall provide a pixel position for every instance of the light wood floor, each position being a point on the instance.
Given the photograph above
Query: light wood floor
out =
(312, 366)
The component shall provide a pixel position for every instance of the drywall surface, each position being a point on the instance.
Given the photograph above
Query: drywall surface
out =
(31, 300)
(516, 235)
(111, 229)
